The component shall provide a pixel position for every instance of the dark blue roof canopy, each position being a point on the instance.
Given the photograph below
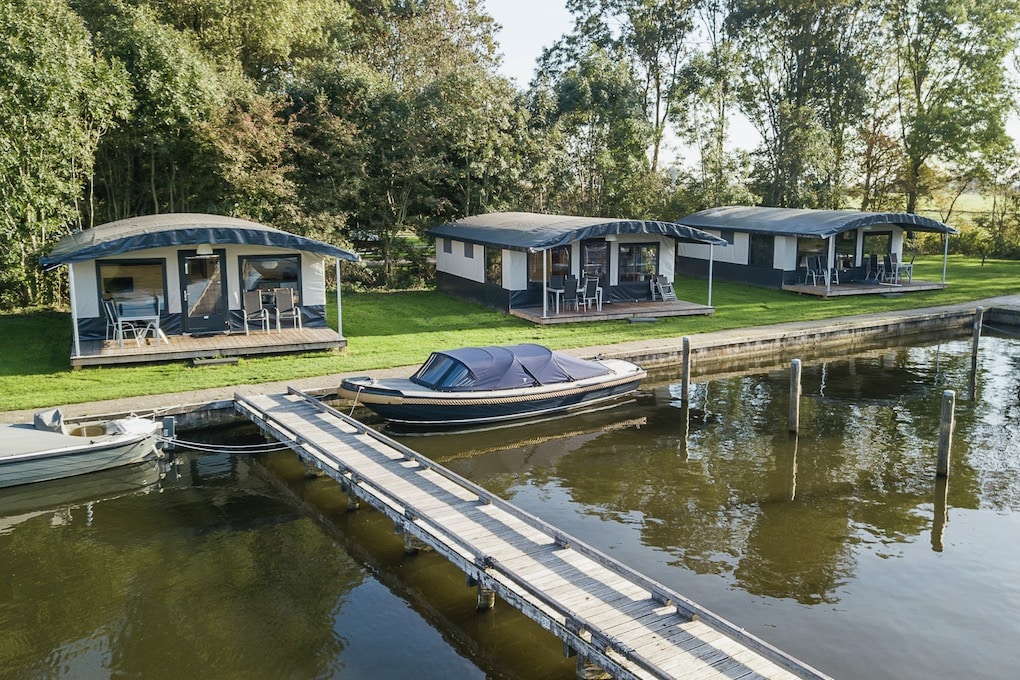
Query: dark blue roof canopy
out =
(474, 369)
(804, 222)
(535, 232)
(178, 229)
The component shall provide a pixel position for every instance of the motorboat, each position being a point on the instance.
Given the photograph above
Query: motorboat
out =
(49, 448)
(475, 385)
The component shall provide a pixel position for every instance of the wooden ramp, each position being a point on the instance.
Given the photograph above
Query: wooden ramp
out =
(606, 613)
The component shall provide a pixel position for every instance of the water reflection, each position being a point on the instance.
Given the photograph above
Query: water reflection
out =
(722, 491)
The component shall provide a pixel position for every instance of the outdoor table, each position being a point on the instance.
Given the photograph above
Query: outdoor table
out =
(556, 294)
(141, 310)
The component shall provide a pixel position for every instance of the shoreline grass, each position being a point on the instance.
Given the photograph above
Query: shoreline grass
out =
(386, 329)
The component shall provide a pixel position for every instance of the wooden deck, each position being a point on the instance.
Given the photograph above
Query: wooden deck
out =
(184, 347)
(861, 288)
(641, 310)
(605, 613)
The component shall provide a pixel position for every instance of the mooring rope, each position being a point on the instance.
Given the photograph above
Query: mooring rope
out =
(207, 447)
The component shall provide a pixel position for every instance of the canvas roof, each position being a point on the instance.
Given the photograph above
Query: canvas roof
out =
(178, 229)
(804, 222)
(535, 232)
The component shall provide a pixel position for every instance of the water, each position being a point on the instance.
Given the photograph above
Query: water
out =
(838, 546)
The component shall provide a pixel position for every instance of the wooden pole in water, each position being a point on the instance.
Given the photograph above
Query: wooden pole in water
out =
(979, 314)
(685, 369)
(795, 395)
(946, 432)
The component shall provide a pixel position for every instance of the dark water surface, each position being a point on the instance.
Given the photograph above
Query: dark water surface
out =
(838, 546)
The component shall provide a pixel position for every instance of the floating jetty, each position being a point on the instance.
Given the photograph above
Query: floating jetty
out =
(615, 620)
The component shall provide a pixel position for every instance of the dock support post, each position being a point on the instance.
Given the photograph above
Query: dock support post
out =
(685, 369)
(412, 544)
(486, 598)
(589, 670)
(169, 432)
(795, 392)
(946, 426)
(352, 501)
(979, 314)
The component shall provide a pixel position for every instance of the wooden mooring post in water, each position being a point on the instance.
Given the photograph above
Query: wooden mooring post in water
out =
(979, 314)
(685, 369)
(795, 396)
(946, 426)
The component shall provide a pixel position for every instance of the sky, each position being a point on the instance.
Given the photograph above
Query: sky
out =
(528, 27)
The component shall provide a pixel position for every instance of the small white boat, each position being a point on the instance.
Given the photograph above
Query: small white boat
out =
(474, 385)
(49, 449)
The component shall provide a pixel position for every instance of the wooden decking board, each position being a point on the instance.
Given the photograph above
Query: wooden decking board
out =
(548, 575)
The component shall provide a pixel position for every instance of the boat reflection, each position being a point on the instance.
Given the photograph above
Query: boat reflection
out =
(60, 496)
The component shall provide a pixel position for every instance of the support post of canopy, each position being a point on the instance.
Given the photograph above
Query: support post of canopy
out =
(74, 310)
(945, 256)
(711, 257)
(545, 292)
(830, 264)
(339, 314)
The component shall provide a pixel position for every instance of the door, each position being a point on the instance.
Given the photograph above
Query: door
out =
(204, 292)
(595, 261)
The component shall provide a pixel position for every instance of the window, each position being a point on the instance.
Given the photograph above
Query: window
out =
(128, 278)
(761, 251)
(877, 242)
(494, 265)
(469, 250)
(448, 245)
(726, 235)
(557, 263)
(638, 261)
(265, 272)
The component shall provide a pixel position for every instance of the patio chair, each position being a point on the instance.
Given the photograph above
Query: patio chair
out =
(120, 326)
(255, 310)
(833, 273)
(592, 294)
(111, 323)
(889, 273)
(287, 307)
(872, 270)
(663, 287)
(570, 293)
(814, 270)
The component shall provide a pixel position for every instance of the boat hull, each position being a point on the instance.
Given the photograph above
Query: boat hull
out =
(423, 408)
(62, 456)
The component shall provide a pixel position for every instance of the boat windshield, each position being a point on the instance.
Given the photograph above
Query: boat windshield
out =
(442, 372)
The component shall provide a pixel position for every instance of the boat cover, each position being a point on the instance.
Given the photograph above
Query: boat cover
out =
(473, 369)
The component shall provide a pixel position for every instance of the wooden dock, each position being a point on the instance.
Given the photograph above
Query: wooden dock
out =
(610, 616)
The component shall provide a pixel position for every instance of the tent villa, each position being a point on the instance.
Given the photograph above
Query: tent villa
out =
(819, 252)
(509, 260)
(178, 281)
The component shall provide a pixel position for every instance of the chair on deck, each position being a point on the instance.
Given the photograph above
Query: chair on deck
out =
(872, 270)
(814, 270)
(255, 310)
(833, 272)
(889, 273)
(120, 326)
(662, 288)
(287, 307)
(591, 294)
(570, 293)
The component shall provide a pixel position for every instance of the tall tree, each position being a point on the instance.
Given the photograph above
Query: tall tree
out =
(802, 86)
(57, 99)
(952, 90)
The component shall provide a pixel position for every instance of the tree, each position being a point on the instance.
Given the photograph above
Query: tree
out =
(952, 91)
(57, 99)
(598, 109)
(802, 85)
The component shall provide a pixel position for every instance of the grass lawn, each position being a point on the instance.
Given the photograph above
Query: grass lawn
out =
(387, 329)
